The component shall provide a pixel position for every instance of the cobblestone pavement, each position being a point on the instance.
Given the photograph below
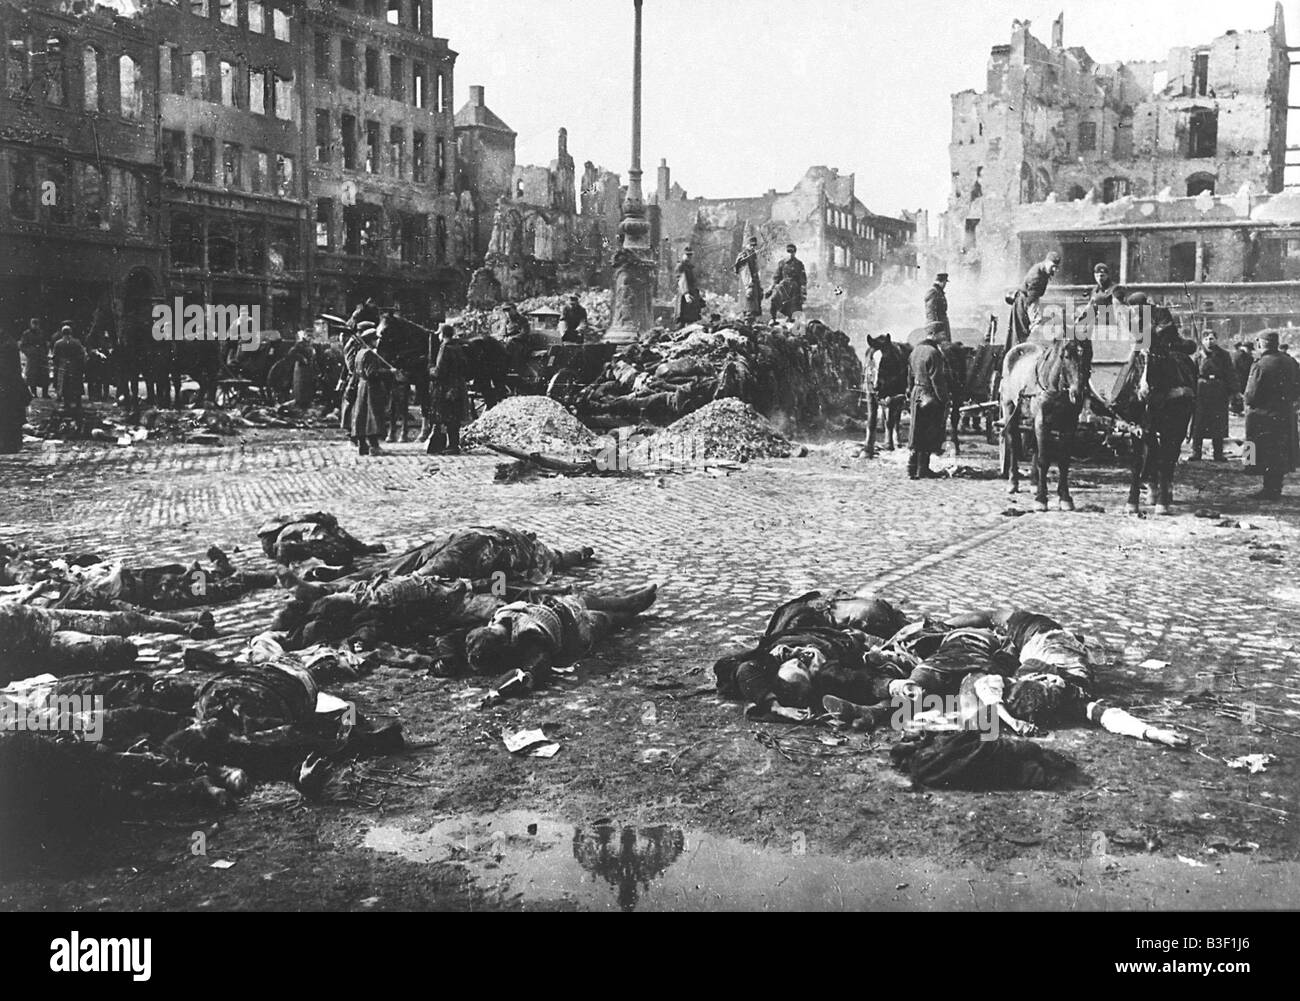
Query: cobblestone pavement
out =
(1219, 604)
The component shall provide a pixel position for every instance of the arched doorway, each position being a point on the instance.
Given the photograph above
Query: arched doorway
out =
(1201, 182)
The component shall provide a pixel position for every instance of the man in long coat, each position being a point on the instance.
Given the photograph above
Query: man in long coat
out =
(448, 391)
(928, 391)
(1026, 305)
(751, 283)
(373, 376)
(936, 308)
(14, 396)
(69, 369)
(302, 365)
(1216, 385)
(690, 304)
(1272, 393)
(35, 347)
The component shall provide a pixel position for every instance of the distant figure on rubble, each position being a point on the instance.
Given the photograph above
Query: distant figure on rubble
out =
(1026, 304)
(789, 286)
(751, 283)
(519, 338)
(574, 316)
(1272, 393)
(448, 394)
(936, 307)
(69, 369)
(690, 304)
(13, 396)
(928, 391)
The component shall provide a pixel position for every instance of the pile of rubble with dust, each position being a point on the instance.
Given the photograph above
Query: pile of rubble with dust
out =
(723, 429)
(532, 424)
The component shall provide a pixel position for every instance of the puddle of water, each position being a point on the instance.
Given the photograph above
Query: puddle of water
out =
(519, 855)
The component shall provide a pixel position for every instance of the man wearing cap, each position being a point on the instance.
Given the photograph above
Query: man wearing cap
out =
(1216, 385)
(448, 392)
(789, 286)
(936, 308)
(574, 316)
(1026, 308)
(690, 304)
(1102, 297)
(1272, 393)
(69, 369)
(751, 284)
(928, 391)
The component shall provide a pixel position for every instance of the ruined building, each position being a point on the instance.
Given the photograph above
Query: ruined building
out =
(378, 101)
(234, 197)
(79, 219)
(1170, 171)
(845, 246)
(529, 225)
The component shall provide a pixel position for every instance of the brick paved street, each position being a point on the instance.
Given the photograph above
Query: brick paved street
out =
(725, 550)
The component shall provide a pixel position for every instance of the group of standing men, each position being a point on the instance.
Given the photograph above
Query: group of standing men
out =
(787, 294)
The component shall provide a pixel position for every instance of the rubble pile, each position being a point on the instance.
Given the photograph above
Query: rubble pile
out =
(531, 424)
(795, 375)
(723, 429)
(595, 301)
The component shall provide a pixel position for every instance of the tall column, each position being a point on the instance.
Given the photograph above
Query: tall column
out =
(634, 263)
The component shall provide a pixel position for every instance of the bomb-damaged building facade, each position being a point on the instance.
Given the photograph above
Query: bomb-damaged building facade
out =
(79, 167)
(1170, 171)
(845, 246)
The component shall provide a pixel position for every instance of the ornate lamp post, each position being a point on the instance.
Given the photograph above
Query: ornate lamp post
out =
(634, 263)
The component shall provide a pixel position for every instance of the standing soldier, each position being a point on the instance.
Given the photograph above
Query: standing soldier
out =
(69, 369)
(574, 316)
(1026, 304)
(936, 308)
(690, 304)
(1271, 396)
(751, 285)
(36, 359)
(99, 346)
(371, 375)
(1216, 385)
(927, 389)
(789, 286)
(448, 392)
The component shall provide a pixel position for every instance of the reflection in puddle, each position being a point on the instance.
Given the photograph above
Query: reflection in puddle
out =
(626, 858)
(521, 857)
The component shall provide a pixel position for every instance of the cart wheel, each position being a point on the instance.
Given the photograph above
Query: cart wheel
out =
(562, 385)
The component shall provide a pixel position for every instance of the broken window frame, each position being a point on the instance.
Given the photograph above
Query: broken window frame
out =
(396, 78)
(419, 156)
(257, 91)
(373, 160)
(284, 175)
(324, 224)
(174, 141)
(203, 157)
(232, 165)
(130, 88)
(92, 91)
(324, 126)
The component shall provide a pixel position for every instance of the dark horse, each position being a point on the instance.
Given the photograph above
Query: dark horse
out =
(1048, 383)
(981, 382)
(957, 357)
(1156, 392)
(886, 388)
(405, 346)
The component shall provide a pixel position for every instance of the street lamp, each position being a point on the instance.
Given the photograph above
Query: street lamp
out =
(633, 263)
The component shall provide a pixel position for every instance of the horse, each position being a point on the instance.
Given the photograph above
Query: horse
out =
(957, 358)
(406, 347)
(1156, 391)
(886, 388)
(488, 361)
(981, 379)
(1048, 382)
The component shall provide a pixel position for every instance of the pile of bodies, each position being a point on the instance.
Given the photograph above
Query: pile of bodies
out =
(952, 687)
(804, 375)
(472, 599)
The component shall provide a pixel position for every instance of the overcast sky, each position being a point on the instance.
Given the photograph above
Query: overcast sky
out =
(741, 97)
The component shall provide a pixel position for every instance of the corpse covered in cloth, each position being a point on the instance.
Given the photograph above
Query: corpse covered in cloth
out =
(477, 553)
(313, 541)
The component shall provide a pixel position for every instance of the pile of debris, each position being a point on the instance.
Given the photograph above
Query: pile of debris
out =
(532, 424)
(795, 375)
(595, 301)
(723, 429)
